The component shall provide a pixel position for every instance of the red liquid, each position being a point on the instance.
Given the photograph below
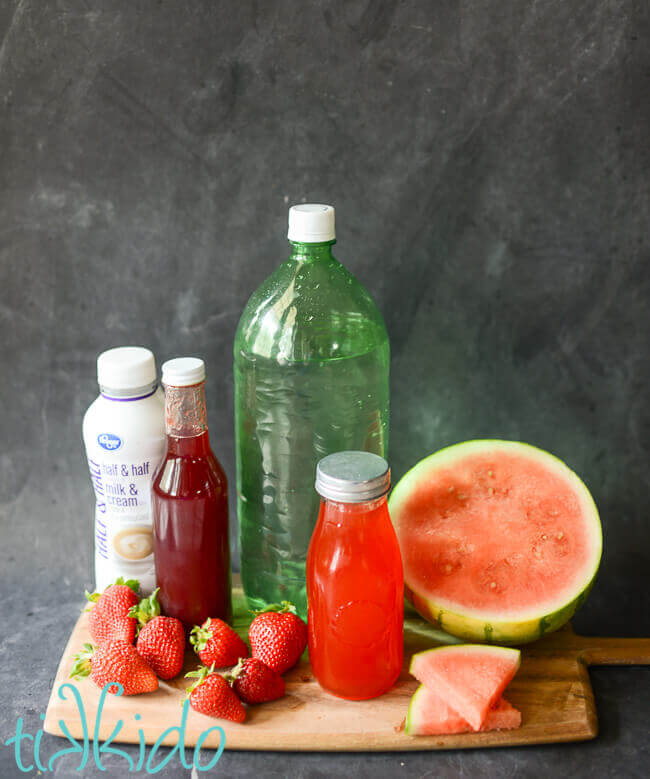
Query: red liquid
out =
(355, 589)
(192, 552)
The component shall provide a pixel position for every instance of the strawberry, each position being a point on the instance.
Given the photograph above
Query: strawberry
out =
(278, 636)
(212, 695)
(161, 643)
(161, 640)
(118, 662)
(109, 618)
(216, 643)
(255, 682)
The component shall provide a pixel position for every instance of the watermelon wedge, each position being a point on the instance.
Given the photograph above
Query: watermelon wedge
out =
(469, 678)
(429, 715)
(500, 541)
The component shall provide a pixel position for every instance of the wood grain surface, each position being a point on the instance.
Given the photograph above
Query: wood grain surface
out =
(552, 691)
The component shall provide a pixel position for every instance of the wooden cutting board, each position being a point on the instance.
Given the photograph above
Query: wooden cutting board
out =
(552, 691)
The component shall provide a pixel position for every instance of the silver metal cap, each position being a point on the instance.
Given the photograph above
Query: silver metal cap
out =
(352, 477)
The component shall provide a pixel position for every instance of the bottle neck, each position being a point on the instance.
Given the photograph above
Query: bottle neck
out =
(311, 252)
(186, 420)
(354, 509)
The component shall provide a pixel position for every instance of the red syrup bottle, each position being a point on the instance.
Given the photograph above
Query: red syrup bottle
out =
(190, 505)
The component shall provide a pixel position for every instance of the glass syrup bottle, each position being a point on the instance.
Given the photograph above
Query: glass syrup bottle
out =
(190, 505)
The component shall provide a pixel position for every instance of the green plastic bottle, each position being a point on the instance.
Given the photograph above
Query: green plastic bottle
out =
(311, 378)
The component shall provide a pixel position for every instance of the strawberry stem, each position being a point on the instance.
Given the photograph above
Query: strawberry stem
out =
(133, 584)
(82, 662)
(146, 610)
(281, 608)
(201, 674)
(232, 675)
(199, 636)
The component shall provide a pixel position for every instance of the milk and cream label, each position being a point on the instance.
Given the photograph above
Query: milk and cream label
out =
(123, 521)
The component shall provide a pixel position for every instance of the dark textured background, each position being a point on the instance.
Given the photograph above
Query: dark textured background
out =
(489, 164)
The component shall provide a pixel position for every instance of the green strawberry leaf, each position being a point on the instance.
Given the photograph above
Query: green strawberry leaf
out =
(281, 608)
(82, 662)
(235, 672)
(92, 597)
(146, 610)
(133, 584)
(199, 636)
(201, 674)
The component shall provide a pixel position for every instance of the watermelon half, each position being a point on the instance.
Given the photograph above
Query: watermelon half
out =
(470, 678)
(500, 541)
(429, 715)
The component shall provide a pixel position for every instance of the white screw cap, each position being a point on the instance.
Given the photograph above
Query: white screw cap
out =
(311, 223)
(183, 372)
(126, 368)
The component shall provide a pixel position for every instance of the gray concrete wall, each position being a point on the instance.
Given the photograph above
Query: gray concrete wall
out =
(489, 166)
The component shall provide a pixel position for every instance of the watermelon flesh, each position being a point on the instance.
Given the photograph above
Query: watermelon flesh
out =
(429, 715)
(500, 541)
(469, 678)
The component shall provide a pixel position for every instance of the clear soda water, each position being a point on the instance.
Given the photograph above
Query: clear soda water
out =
(311, 378)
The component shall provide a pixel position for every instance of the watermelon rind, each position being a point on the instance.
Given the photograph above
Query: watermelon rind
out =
(495, 627)
(415, 725)
(412, 725)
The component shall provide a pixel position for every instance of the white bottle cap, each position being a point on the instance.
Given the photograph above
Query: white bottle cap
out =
(183, 372)
(311, 223)
(126, 370)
